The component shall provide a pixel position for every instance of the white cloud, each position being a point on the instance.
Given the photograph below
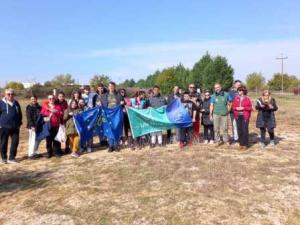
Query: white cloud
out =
(139, 60)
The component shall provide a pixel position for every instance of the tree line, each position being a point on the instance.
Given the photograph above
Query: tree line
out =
(204, 73)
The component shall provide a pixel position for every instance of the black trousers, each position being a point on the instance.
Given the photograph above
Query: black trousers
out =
(185, 134)
(52, 145)
(208, 133)
(263, 134)
(4, 135)
(243, 130)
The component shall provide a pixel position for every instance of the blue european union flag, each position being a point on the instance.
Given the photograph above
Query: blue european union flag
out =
(101, 121)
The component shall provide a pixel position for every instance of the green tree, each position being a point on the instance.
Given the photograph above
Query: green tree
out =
(99, 79)
(182, 75)
(208, 71)
(255, 81)
(62, 80)
(166, 80)
(15, 85)
(128, 83)
(197, 72)
(288, 82)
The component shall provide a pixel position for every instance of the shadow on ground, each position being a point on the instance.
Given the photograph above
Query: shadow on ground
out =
(11, 181)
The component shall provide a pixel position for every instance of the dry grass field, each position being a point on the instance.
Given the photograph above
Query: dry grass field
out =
(164, 186)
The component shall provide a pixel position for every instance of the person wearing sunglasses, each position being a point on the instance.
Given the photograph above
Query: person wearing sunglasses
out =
(266, 106)
(52, 113)
(10, 123)
(208, 126)
(242, 108)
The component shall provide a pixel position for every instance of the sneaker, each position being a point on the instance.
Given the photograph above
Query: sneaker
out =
(89, 150)
(272, 143)
(205, 142)
(3, 161)
(152, 145)
(110, 149)
(12, 161)
(211, 142)
(75, 155)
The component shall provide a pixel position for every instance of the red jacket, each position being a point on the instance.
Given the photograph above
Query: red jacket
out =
(246, 103)
(56, 117)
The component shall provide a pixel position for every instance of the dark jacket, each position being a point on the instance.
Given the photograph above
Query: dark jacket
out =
(205, 120)
(104, 99)
(32, 115)
(265, 114)
(157, 101)
(10, 116)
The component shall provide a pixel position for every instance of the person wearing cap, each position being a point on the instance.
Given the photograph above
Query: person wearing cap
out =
(10, 123)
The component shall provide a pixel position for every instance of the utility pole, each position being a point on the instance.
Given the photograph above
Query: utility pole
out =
(282, 59)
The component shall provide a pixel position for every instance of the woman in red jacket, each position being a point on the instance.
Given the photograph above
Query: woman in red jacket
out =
(52, 112)
(242, 107)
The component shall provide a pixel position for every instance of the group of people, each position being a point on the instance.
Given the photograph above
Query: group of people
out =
(210, 110)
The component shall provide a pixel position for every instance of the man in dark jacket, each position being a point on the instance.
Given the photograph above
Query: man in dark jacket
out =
(10, 123)
(156, 101)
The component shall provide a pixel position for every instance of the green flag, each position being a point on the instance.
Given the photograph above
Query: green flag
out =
(145, 121)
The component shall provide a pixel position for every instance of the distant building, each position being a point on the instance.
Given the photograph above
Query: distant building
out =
(28, 84)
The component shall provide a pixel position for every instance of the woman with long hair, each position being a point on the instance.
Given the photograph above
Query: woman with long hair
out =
(266, 106)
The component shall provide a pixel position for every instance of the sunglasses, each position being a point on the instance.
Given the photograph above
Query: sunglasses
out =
(10, 94)
(192, 87)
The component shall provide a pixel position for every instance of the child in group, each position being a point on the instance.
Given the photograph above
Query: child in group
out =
(266, 106)
(71, 131)
(208, 126)
(185, 134)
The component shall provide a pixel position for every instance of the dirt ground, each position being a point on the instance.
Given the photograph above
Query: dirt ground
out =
(165, 186)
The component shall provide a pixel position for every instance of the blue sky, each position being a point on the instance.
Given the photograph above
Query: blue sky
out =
(130, 39)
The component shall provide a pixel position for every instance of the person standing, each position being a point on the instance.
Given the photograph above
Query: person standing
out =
(33, 111)
(208, 126)
(71, 131)
(266, 106)
(220, 105)
(138, 102)
(186, 132)
(175, 95)
(242, 108)
(10, 123)
(156, 101)
(112, 99)
(52, 112)
(89, 97)
(233, 93)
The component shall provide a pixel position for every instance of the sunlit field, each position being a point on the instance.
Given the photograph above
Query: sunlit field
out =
(162, 186)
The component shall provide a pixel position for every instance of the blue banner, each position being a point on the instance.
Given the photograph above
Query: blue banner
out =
(101, 121)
